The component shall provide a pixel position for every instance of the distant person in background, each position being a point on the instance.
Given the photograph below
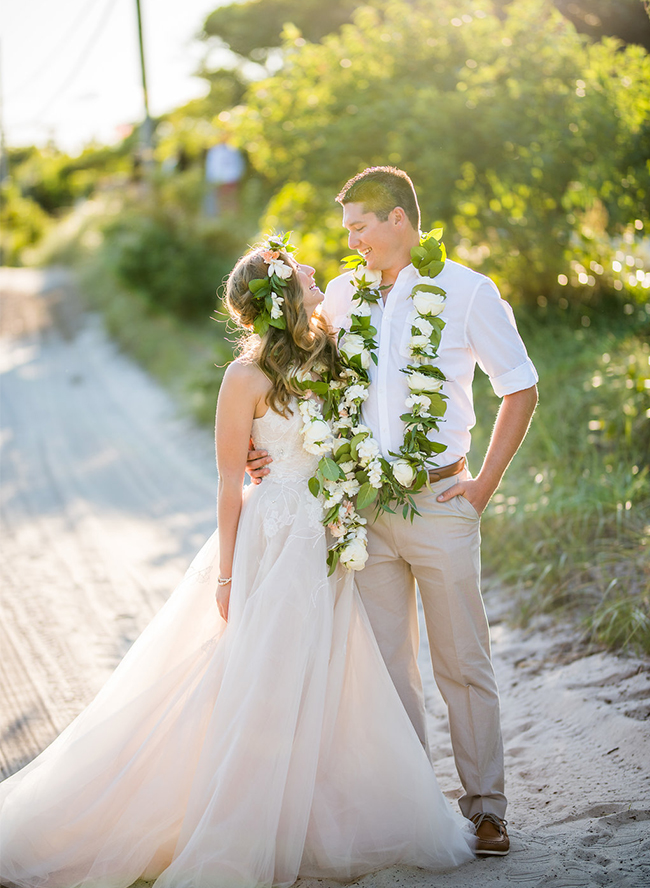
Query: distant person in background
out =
(224, 167)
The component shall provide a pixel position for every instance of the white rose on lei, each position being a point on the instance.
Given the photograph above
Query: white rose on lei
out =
(419, 382)
(419, 341)
(360, 309)
(366, 277)
(418, 404)
(367, 450)
(352, 344)
(350, 487)
(428, 303)
(403, 472)
(277, 266)
(354, 555)
(421, 324)
(317, 437)
(375, 474)
(308, 408)
(355, 393)
(333, 494)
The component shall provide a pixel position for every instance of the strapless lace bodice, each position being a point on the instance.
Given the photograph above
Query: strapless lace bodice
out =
(282, 439)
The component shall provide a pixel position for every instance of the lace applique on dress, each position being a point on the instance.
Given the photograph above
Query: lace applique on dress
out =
(282, 439)
(280, 501)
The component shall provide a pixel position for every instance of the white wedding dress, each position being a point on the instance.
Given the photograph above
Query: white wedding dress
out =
(239, 755)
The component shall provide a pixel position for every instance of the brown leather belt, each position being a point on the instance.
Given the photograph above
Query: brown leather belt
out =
(447, 471)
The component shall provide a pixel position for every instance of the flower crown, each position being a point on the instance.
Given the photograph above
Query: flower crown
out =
(267, 292)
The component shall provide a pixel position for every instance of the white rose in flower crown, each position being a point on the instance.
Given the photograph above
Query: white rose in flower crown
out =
(428, 303)
(403, 472)
(276, 307)
(419, 382)
(360, 309)
(316, 434)
(354, 555)
(352, 344)
(277, 266)
(365, 359)
(348, 466)
(366, 277)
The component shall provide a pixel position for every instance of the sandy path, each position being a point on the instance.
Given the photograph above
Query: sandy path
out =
(106, 495)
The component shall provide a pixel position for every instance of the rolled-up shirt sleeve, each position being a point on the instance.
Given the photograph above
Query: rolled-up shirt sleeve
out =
(491, 333)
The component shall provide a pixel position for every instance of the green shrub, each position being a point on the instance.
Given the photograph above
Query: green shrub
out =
(177, 263)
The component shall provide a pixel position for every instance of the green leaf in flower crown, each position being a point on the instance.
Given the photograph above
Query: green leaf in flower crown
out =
(280, 323)
(257, 286)
(437, 233)
(367, 494)
(261, 324)
(314, 486)
(329, 469)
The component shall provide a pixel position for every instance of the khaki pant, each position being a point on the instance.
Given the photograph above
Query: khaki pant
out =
(439, 550)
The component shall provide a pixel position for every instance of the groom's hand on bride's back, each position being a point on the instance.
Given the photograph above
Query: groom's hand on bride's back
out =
(257, 463)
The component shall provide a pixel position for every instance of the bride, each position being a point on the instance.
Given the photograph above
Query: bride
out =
(258, 740)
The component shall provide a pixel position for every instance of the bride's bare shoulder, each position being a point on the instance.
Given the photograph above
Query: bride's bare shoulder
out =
(245, 375)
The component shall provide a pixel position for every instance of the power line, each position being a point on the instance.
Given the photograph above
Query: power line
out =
(81, 60)
(88, 7)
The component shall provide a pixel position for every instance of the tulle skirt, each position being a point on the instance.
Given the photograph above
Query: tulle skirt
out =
(242, 754)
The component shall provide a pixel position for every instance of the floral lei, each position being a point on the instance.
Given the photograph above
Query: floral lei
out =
(351, 473)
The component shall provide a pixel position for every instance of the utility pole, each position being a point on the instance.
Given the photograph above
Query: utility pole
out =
(147, 127)
(4, 164)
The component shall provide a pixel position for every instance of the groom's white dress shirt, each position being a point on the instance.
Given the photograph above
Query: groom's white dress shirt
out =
(479, 328)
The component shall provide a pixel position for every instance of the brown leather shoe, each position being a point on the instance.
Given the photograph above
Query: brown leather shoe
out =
(492, 835)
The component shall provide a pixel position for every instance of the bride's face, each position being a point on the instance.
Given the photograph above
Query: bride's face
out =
(311, 295)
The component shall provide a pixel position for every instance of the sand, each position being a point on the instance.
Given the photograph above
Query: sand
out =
(107, 493)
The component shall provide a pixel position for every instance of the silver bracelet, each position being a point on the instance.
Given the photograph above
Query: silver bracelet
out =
(223, 581)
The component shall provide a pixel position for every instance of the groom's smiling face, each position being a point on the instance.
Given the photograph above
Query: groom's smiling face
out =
(377, 241)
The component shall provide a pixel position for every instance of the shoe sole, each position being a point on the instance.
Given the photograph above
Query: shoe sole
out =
(492, 853)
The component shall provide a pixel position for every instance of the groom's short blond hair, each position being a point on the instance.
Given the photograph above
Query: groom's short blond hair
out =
(381, 189)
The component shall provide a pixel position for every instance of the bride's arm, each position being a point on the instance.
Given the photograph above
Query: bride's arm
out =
(239, 397)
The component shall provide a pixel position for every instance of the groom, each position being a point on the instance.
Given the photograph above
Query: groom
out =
(440, 550)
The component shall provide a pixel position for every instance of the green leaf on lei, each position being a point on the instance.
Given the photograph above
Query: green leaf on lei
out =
(366, 495)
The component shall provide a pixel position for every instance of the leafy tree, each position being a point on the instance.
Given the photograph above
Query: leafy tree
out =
(528, 144)
(250, 29)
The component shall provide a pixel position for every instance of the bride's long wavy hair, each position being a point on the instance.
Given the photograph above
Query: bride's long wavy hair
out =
(306, 343)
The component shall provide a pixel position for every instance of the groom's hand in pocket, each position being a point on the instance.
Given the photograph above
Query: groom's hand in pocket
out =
(472, 490)
(257, 463)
